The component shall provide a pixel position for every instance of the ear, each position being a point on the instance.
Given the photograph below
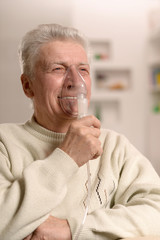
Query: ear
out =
(27, 86)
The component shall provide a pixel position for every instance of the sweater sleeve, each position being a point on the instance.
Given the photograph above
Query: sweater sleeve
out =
(135, 208)
(41, 188)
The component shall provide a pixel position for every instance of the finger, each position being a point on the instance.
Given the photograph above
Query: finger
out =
(29, 237)
(97, 151)
(94, 132)
(88, 131)
(90, 121)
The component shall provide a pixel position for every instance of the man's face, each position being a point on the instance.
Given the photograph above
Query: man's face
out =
(53, 61)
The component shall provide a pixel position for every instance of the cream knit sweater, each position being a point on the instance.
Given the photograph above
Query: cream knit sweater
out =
(37, 179)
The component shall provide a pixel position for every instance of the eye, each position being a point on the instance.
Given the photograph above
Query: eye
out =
(84, 71)
(59, 70)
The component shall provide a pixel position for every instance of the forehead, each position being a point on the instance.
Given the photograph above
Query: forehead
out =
(67, 51)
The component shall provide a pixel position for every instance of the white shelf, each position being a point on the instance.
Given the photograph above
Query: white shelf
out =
(108, 76)
(106, 96)
(155, 89)
(100, 49)
(111, 83)
(109, 65)
(154, 61)
(155, 37)
(154, 118)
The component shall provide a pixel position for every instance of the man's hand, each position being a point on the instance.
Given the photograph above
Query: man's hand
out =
(52, 229)
(82, 140)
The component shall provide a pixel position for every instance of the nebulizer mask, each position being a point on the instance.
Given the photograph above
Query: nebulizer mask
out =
(73, 97)
(74, 103)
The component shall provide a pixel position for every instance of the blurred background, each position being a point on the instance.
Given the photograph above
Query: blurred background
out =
(125, 46)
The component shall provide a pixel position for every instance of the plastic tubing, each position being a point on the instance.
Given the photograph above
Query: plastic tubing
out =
(82, 112)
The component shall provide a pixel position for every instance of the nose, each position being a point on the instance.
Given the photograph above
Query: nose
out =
(72, 78)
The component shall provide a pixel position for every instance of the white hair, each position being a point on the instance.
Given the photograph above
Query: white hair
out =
(34, 39)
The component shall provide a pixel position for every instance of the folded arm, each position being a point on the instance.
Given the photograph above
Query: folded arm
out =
(41, 188)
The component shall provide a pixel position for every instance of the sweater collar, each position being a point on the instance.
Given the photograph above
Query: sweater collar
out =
(42, 133)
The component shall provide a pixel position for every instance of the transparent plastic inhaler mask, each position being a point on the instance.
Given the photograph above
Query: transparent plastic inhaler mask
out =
(73, 97)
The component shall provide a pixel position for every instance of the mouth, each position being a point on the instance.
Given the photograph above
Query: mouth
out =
(68, 98)
(69, 105)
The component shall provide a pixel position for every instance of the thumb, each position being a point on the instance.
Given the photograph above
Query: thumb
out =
(29, 237)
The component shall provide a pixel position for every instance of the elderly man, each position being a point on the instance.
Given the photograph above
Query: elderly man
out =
(43, 177)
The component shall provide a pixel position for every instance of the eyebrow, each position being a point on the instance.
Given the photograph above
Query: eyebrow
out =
(66, 64)
(47, 65)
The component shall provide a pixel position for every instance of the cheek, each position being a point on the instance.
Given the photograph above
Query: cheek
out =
(88, 85)
(55, 88)
(48, 86)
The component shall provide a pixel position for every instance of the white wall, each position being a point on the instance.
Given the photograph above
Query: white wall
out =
(16, 18)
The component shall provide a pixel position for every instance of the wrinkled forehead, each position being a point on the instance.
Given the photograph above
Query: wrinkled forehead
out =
(67, 52)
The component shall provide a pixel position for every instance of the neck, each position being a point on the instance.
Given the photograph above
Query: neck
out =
(55, 125)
